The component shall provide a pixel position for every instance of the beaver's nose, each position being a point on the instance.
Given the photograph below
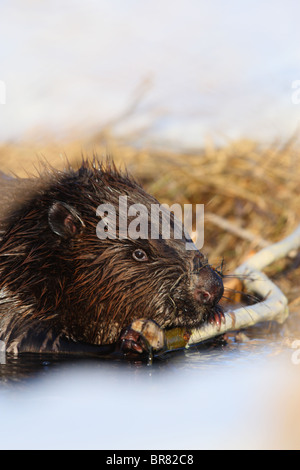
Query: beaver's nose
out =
(208, 286)
(208, 296)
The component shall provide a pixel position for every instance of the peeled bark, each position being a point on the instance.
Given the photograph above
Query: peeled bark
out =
(274, 307)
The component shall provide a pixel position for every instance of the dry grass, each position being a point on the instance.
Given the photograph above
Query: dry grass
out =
(247, 185)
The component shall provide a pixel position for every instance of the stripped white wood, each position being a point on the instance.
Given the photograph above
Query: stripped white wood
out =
(275, 305)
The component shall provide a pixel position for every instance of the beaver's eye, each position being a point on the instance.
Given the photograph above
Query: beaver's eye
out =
(140, 255)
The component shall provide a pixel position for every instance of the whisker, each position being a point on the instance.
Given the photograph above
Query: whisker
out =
(225, 298)
(236, 276)
(220, 267)
(178, 280)
(244, 294)
(199, 269)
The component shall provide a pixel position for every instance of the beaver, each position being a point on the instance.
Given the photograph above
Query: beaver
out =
(63, 289)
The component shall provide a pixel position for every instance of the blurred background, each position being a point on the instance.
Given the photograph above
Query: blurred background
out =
(176, 72)
(200, 101)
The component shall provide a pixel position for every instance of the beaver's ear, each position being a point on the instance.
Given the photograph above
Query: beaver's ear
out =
(64, 220)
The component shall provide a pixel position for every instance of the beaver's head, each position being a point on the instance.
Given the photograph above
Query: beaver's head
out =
(91, 285)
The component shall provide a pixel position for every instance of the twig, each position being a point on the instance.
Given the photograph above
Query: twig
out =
(275, 305)
(274, 308)
(236, 230)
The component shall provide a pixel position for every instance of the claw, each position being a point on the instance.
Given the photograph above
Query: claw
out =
(215, 320)
(217, 317)
(142, 336)
(131, 340)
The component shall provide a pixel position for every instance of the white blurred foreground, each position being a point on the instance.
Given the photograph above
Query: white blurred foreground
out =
(234, 404)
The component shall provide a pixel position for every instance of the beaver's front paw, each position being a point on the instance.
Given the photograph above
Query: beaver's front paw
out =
(142, 336)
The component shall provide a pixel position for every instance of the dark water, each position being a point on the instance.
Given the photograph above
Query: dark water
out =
(230, 396)
(253, 345)
(29, 367)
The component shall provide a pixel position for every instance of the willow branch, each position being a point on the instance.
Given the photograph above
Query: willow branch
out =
(274, 307)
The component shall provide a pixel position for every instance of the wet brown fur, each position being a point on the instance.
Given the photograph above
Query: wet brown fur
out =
(79, 288)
